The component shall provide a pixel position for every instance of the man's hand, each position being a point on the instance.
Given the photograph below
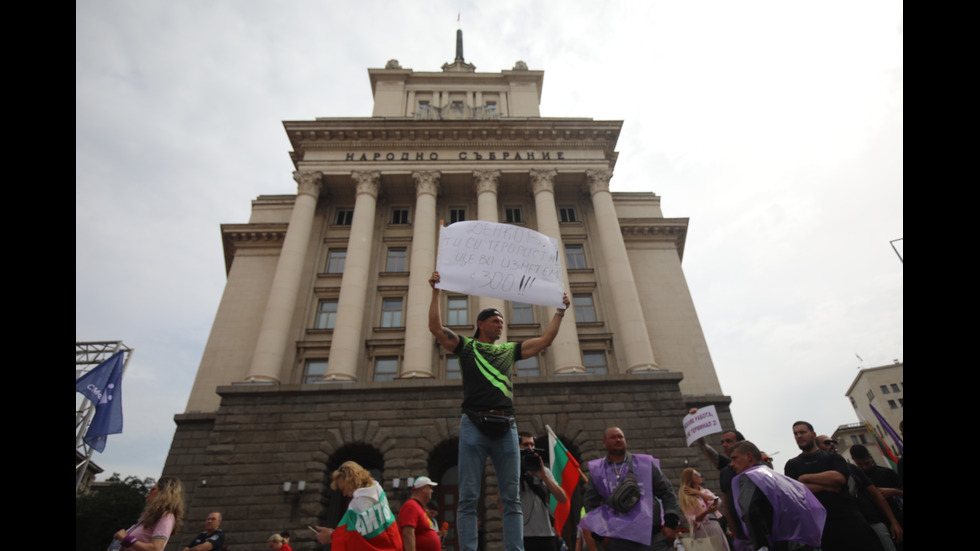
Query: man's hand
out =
(540, 472)
(889, 493)
(830, 481)
(324, 535)
(434, 279)
(668, 533)
(565, 301)
(896, 532)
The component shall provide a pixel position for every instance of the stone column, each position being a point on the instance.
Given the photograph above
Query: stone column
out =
(418, 341)
(347, 342)
(485, 182)
(566, 350)
(626, 301)
(270, 345)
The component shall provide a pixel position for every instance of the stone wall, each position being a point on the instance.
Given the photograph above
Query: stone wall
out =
(237, 460)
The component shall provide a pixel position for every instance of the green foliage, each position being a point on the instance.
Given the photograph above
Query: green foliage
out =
(103, 511)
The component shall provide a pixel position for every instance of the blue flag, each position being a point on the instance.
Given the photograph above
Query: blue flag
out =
(103, 386)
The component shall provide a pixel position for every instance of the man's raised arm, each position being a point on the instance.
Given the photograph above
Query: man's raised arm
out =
(532, 347)
(446, 338)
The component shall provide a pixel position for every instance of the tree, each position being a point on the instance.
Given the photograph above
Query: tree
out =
(107, 509)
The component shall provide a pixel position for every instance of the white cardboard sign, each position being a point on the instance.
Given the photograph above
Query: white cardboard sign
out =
(701, 423)
(500, 261)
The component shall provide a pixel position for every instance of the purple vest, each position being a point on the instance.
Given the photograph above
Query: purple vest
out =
(796, 513)
(637, 524)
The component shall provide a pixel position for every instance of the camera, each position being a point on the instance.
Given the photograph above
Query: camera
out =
(529, 459)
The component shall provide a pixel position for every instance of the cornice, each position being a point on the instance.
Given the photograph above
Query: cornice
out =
(380, 129)
(658, 229)
(372, 133)
(238, 236)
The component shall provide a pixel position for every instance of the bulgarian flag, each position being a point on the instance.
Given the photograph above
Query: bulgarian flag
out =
(371, 530)
(566, 471)
(882, 446)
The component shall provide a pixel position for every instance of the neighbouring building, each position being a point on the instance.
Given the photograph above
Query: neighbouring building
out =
(320, 351)
(881, 388)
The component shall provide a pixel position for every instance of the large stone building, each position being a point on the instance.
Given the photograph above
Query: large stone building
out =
(320, 350)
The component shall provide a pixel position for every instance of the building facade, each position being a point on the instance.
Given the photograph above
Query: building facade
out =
(883, 388)
(852, 434)
(320, 350)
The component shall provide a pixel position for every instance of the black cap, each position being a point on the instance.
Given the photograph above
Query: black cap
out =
(488, 313)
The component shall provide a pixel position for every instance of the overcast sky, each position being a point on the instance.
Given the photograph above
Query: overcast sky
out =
(776, 127)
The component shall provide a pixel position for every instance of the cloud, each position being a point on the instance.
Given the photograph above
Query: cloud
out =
(775, 127)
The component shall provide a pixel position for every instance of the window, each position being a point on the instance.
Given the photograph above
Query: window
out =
(399, 216)
(457, 310)
(314, 371)
(567, 214)
(528, 367)
(595, 362)
(895, 388)
(344, 217)
(854, 440)
(892, 404)
(521, 312)
(575, 257)
(870, 395)
(326, 314)
(397, 260)
(452, 368)
(901, 402)
(391, 312)
(884, 389)
(513, 215)
(457, 215)
(336, 258)
(584, 308)
(386, 368)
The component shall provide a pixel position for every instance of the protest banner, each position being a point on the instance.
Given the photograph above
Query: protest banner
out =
(701, 423)
(500, 261)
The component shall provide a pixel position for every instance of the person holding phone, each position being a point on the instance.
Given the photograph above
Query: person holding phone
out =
(162, 517)
(700, 506)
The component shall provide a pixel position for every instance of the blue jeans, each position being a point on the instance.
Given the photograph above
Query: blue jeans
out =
(474, 446)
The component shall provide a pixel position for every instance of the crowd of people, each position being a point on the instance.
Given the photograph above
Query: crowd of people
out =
(821, 502)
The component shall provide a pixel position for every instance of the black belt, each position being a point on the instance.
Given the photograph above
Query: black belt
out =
(497, 412)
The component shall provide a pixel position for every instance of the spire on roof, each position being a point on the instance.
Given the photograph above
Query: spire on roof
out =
(459, 65)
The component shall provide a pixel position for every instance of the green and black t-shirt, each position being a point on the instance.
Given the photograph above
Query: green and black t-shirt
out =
(488, 370)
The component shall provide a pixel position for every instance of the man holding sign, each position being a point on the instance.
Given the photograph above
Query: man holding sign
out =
(487, 426)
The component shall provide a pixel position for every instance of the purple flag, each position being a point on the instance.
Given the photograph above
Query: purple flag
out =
(888, 428)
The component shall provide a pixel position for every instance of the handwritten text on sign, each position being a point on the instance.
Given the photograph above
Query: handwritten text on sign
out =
(701, 423)
(500, 261)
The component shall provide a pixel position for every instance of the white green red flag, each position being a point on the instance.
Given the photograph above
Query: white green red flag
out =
(565, 469)
(372, 530)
